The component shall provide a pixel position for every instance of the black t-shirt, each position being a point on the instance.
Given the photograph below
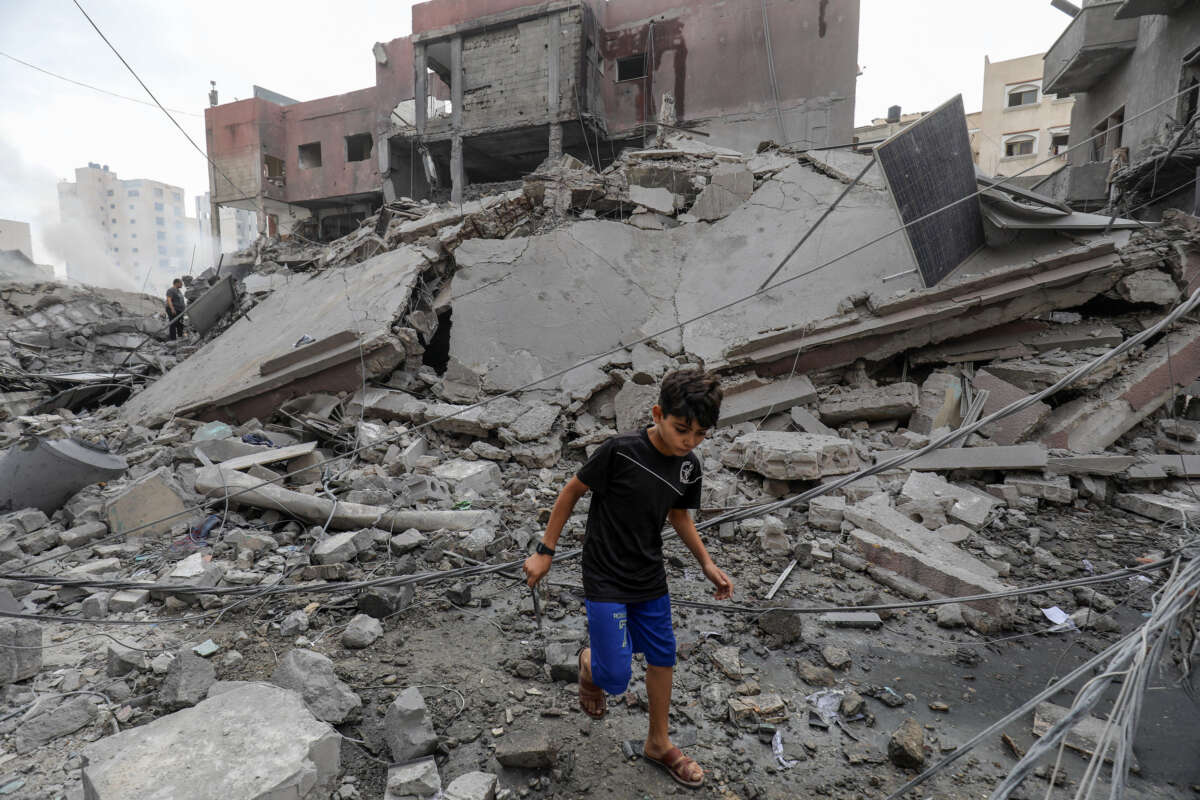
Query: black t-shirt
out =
(633, 487)
(176, 298)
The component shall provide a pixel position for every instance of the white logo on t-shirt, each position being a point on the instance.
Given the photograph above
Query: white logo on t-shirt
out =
(685, 473)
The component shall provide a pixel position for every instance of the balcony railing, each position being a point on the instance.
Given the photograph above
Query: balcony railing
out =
(1088, 49)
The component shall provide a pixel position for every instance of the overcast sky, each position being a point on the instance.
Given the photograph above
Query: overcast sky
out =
(915, 53)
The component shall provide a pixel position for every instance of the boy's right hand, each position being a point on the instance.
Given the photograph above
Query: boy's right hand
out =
(536, 567)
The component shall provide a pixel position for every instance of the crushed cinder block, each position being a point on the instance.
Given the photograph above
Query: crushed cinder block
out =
(259, 742)
(528, 749)
(785, 455)
(895, 401)
(128, 600)
(148, 507)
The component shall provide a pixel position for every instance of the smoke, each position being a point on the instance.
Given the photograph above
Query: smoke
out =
(30, 194)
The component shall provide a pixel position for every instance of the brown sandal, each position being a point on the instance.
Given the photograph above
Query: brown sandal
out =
(673, 762)
(590, 693)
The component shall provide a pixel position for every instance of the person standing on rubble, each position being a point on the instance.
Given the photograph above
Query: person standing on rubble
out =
(639, 481)
(175, 306)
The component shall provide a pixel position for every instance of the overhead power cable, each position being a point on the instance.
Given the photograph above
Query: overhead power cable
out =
(174, 121)
(650, 337)
(93, 88)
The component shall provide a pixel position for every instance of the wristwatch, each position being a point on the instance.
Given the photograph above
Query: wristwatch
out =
(542, 550)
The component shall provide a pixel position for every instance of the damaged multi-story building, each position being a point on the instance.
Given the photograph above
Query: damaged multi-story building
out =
(483, 92)
(1121, 59)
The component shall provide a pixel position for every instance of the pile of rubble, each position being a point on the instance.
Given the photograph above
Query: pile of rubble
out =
(294, 546)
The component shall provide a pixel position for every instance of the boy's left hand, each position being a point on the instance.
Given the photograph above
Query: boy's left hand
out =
(719, 579)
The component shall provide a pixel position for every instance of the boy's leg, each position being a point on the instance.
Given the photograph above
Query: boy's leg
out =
(608, 663)
(653, 634)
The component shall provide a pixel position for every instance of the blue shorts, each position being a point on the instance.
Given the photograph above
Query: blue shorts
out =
(618, 630)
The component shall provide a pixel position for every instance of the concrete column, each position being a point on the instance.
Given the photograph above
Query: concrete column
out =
(555, 143)
(458, 176)
(214, 211)
(552, 68)
(420, 87)
(456, 81)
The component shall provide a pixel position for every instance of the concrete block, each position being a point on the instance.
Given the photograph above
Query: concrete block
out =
(187, 682)
(362, 632)
(784, 455)
(463, 420)
(1014, 428)
(534, 424)
(255, 742)
(776, 397)
(128, 600)
(528, 749)
(938, 404)
(851, 619)
(418, 779)
(870, 404)
(82, 534)
(70, 716)
(408, 728)
(632, 405)
(144, 504)
(311, 674)
(386, 404)
(1148, 286)
(472, 786)
(825, 512)
(729, 188)
(341, 547)
(482, 477)
(254, 542)
(887, 538)
(1025, 456)
(19, 664)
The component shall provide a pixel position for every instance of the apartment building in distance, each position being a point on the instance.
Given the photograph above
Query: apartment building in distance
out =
(484, 91)
(141, 224)
(1133, 67)
(1019, 125)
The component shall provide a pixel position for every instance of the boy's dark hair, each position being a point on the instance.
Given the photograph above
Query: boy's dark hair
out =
(693, 394)
(177, 280)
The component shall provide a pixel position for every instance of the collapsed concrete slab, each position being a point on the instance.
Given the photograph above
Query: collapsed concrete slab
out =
(1015, 427)
(1159, 507)
(255, 742)
(254, 366)
(966, 505)
(886, 537)
(1094, 421)
(784, 455)
(247, 490)
(149, 507)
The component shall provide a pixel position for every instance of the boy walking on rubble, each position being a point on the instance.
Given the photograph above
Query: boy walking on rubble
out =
(638, 481)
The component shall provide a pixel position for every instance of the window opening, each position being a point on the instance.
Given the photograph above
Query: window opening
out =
(1019, 146)
(1022, 97)
(310, 155)
(358, 147)
(631, 68)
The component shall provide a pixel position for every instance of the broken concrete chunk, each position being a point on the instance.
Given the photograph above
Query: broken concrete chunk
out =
(1148, 286)
(729, 188)
(896, 401)
(148, 507)
(785, 455)
(851, 619)
(311, 674)
(1159, 507)
(938, 404)
(418, 779)
(341, 547)
(20, 650)
(825, 512)
(362, 632)
(188, 680)
(968, 506)
(260, 742)
(533, 425)
(659, 200)
(1015, 427)
(632, 404)
(481, 477)
(408, 728)
(1053, 490)
(906, 748)
(528, 749)
(70, 716)
(472, 786)
(465, 420)
(758, 402)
